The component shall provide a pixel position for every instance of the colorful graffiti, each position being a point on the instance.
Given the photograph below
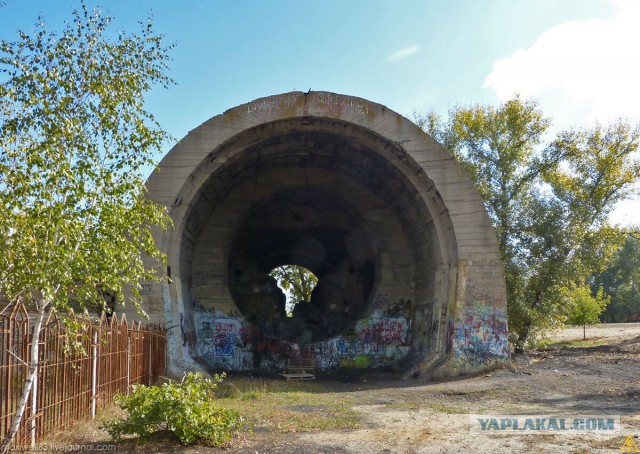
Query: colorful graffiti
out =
(376, 341)
(380, 329)
(222, 341)
(480, 338)
(477, 338)
(231, 343)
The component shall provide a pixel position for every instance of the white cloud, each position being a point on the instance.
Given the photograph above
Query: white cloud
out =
(580, 71)
(403, 53)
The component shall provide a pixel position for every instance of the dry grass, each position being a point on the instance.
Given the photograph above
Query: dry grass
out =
(271, 405)
(614, 443)
(405, 406)
(86, 431)
(287, 406)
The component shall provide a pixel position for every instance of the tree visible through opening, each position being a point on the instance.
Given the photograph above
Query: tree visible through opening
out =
(297, 282)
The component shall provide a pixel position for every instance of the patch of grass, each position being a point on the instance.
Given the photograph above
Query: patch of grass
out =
(473, 393)
(244, 388)
(442, 408)
(548, 343)
(85, 431)
(578, 343)
(288, 406)
(404, 406)
(455, 392)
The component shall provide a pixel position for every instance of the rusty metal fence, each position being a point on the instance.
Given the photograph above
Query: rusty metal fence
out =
(110, 355)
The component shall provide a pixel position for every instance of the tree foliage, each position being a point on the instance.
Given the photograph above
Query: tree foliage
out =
(74, 139)
(187, 409)
(585, 308)
(621, 281)
(549, 200)
(297, 281)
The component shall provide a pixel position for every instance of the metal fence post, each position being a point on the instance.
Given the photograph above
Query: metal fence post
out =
(128, 363)
(150, 356)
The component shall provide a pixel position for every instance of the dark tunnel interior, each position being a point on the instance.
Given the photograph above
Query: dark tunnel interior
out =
(319, 195)
(320, 232)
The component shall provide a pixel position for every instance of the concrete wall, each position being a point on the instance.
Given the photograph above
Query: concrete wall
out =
(383, 214)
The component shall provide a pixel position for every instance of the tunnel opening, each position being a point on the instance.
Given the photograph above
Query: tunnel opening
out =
(297, 283)
(315, 230)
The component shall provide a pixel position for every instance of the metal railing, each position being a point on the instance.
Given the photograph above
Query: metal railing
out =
(72, 382)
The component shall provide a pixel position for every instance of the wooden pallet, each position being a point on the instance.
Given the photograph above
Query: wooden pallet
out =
(297, 369)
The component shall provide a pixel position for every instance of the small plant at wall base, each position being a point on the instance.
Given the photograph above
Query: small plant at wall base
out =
(187, 409)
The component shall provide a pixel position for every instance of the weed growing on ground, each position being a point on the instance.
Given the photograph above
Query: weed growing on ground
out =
(187, 409)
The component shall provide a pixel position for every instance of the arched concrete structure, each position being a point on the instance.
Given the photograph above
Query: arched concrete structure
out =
(409, 273)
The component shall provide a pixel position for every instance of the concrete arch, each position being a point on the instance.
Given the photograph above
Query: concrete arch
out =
(409, 272)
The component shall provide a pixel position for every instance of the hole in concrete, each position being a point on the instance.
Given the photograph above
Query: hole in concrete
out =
(297, 283)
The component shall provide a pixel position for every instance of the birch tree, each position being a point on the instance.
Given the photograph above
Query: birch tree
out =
(74, 140)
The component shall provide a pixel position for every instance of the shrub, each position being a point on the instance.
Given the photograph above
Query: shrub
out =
(186, 408)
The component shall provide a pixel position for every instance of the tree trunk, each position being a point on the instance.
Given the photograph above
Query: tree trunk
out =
(521, 339)
(29, 381)
(584, 332)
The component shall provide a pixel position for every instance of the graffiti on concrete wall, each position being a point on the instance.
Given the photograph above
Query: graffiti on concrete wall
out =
(480, 337)
(222, 341)
(376, 341)
(475, 338)
(231, 343)
(332, 103)
(381, 330)
(318, 103)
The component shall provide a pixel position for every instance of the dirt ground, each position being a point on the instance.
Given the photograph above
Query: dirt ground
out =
(600, 377)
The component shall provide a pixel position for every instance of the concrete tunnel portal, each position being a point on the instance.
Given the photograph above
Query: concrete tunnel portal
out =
(408, 271)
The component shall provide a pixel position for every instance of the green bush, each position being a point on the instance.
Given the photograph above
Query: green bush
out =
(186, 408)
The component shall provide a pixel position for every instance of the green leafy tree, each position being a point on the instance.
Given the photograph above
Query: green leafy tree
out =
(621, 281)
(585, 307)
(297, 281)
(549, 202)
(74, 140)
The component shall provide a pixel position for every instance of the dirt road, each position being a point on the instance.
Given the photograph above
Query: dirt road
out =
(571, 379)
(413, 417)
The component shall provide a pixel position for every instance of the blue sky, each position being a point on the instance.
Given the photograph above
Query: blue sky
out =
(579, 58)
